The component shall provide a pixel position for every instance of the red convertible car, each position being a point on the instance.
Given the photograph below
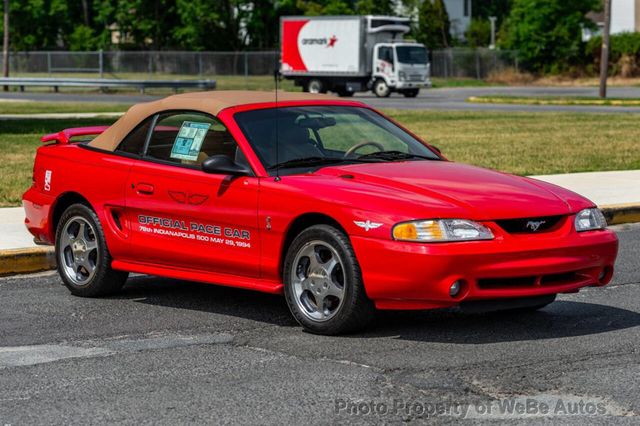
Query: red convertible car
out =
(327, 201)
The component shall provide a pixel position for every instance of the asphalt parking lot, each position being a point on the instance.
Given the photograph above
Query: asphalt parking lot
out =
(172, 352)
(452, 98)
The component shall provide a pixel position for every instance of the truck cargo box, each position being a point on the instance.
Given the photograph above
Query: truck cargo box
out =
(319, 45)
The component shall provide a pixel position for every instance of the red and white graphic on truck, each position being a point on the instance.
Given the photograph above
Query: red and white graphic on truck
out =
(323, 45)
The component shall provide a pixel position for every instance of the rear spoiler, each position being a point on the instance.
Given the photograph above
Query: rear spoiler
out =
(63, 137)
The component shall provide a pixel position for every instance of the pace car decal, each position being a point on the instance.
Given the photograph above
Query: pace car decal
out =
(196, 231)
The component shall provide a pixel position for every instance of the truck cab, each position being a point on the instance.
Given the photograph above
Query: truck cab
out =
(400, 67)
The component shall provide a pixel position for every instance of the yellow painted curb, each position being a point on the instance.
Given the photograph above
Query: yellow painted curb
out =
(560, 101)
(621, 213)
(27, 260)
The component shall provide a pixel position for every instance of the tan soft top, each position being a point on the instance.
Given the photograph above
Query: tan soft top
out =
(207, 102)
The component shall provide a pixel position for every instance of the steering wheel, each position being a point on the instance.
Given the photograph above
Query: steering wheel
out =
(362, 145)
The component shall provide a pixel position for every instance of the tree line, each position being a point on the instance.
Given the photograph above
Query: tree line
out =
(546, 33)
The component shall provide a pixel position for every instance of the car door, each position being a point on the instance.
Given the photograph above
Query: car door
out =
(383, 62)
(182, 217)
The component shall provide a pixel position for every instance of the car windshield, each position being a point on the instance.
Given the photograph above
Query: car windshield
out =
(411, 54)
(310, 137)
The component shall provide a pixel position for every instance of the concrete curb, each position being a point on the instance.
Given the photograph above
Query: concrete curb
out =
(27, 260)
(618, 214)
(36, 259)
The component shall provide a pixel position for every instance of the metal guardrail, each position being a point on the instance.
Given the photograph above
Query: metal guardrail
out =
(56, 83)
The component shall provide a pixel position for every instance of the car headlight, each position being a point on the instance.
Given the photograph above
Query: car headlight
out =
(589, 220)
(443, 230)
(402, 76)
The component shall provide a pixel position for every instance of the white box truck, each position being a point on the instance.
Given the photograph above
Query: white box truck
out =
(348, 54)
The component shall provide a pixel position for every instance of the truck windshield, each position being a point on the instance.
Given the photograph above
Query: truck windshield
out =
(310, 137)
(412, 55)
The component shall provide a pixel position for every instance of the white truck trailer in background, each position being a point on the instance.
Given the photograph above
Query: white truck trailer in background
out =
(348, 54)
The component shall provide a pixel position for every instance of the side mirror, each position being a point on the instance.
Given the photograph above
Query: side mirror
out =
(436, 148)
(222, 164)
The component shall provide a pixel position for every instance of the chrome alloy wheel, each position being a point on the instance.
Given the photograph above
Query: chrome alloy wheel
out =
(78, 250)
(318, 280)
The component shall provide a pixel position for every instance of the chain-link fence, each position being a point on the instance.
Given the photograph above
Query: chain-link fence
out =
(157, 64)
(471, 63)
(448, 63)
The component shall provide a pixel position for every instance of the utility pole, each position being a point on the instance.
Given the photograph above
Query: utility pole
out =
(5, 43)
(493, 32)
(604, 58)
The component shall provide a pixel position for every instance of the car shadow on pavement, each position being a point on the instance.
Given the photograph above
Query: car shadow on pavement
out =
(558, 320)
(245, 304)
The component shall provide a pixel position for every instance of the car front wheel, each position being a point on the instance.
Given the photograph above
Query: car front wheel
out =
(323, 283)
(84, 261)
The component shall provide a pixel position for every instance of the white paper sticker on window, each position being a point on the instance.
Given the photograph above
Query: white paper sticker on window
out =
(189, 140)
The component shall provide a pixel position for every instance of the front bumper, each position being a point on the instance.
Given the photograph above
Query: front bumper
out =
(404, 84)
(402, 275)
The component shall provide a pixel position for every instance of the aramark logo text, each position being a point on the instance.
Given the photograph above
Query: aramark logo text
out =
(323, 41)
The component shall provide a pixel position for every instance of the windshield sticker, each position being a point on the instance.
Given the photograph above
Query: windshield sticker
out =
(189, 140)
(196, 231)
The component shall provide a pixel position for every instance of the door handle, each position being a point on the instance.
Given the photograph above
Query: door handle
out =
(144, 188)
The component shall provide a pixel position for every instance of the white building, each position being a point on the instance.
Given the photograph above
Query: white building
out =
(459, 15)
(459, 12)
(625, 17)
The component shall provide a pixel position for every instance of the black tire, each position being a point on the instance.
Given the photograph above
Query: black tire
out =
(355, 310)
(534, 307)
(344, 93)
(381, 89)
(410, 93)
(103, 280)
(315, 85)
(509, 306)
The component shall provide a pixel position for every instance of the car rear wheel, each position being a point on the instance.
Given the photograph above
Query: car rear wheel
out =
(323, 283)
(84, 261)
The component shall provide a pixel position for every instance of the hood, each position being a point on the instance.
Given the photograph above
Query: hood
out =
(484, 194)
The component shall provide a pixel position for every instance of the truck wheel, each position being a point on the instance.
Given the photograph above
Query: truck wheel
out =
(344, 93)
(315, 86)
(411, 93)
(323, 283)
(84, 262)
(381, 89)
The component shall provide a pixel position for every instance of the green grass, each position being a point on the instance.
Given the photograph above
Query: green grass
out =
(551, 100)
(521, 143)
(531, 143)
(59, 107)
(461, 82)
(19, 140)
